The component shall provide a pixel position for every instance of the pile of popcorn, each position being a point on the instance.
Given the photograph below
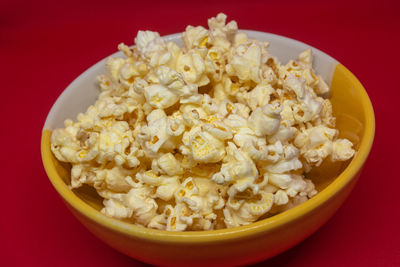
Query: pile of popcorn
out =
(215, 134)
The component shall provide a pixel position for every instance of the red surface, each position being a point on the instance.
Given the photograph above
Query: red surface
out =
(44, 46)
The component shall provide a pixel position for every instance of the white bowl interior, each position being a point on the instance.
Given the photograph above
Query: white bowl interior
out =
(83, 91)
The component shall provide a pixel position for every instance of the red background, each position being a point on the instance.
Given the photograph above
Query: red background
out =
(44, 45)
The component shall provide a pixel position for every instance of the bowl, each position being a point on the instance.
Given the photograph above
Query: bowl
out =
(236, 246)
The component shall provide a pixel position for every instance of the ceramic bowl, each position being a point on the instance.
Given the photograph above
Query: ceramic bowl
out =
(236, 246)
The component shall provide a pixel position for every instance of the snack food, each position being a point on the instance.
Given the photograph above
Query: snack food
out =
(215, 134)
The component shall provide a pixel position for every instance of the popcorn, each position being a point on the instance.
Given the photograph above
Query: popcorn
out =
(114, 179)
(281, 198)
(319, 85)
(169, 165)
(178, 218)
(116, 209)
(64, 145)
(259, 96)
(112, 67)
(206, 148)
(192, 67)
(300, 186)
(152, 48)
(285, 165)
(142, 205)
(159, 96)
(265, 120)
(280, 180)
(243, 212)
(166, 186)
(213, 135)
(195, 37)
(175, 125)
(246, 62)
(341, 150)
(295, 84)
(239, 166)
(222, 34)
(208, 104)
(154, 135)
(215, 63)
(218, 129)
(317, 143)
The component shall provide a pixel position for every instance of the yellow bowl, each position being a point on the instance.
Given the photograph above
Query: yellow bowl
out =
(235, 246)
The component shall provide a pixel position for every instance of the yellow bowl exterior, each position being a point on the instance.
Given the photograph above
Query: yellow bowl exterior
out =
(245, 244)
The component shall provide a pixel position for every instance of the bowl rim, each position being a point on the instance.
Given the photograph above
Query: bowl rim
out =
(212, 236)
